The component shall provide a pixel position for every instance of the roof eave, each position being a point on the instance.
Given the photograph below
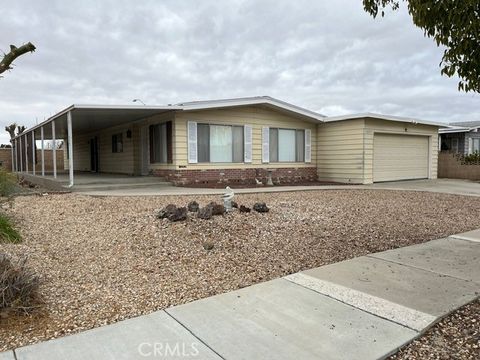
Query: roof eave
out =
(384, 117)
(218, 104)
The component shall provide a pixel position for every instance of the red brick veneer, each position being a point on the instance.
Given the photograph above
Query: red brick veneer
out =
(237, 176)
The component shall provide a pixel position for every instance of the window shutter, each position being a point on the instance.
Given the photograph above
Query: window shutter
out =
(192, 142)
(265, 144)
(470, 146)
(247, 136)
(308, 145)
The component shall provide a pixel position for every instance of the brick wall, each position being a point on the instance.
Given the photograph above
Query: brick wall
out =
(6, 160)
(237, 176)
(450, 165)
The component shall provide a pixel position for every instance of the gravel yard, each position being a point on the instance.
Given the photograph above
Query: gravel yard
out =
(104, 259)
(455, 337)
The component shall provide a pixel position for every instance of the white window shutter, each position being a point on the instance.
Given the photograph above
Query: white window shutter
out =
(247, 136)
(265, 144)
(308, 145)
(192, 142)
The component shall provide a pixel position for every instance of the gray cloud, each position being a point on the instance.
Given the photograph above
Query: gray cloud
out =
(326, 56)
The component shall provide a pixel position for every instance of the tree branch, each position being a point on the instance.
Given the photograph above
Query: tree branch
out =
(13, 54)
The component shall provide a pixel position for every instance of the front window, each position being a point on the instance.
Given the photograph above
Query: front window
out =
(476, 145)
(220, 143)
(287, 145)
(161, 143)
(455, 145)
(117, 143)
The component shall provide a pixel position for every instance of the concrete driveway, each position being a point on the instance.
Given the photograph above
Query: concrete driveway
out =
(448, 186)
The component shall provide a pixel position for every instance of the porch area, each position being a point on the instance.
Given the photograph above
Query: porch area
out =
(87, 182)
(104, 148)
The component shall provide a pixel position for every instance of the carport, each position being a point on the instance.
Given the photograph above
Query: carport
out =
(66, 125)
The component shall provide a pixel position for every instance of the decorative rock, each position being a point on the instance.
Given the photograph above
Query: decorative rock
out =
(179, 214)
(245, 209)
(260, 207)
(205, 213)
(193, 206)
(166, 211)
(217, 209)
(208, 245)
(234, 204)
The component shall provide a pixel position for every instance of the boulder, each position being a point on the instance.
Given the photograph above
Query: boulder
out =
(179, 214)
(245, 209)
(205, 213)
(217, 209)
(193, 206)
(260, 207)
(166, 211)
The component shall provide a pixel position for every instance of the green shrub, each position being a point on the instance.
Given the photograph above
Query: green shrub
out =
(18, 287)
(472, 158)
(8, 234)
(8, 182)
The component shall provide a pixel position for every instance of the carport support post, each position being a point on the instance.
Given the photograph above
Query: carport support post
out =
(21, 154)
(11, 150)
(26, 153)
(14, 149)
(34, 155)
(54, 150)
(70, 147)
(43, 151)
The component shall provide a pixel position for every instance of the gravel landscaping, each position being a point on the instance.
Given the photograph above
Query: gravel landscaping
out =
(104, 259)
(455, 337)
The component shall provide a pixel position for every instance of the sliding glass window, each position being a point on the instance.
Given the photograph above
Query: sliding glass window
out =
(287, 145)
(220, 143)
(161, 143)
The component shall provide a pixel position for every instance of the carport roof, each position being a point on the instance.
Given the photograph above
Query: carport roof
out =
(105, 116)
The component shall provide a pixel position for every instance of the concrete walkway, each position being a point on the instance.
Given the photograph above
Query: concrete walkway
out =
(364, 308)
(448, 186)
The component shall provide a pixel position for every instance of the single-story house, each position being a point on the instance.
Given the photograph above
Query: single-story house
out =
(235, 141)
(461, 137)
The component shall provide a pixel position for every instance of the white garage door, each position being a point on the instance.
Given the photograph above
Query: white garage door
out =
(399, 157)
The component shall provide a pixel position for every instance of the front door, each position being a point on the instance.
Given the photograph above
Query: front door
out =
(94, 154)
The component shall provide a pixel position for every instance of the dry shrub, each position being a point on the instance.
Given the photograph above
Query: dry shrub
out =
(18, 287)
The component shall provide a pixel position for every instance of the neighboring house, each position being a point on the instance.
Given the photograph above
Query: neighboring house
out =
(237, 141)
(461, 137)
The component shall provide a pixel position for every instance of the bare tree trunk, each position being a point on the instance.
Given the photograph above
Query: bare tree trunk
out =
(13, 54)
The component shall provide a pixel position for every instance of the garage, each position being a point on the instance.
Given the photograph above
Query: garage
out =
(400, 157)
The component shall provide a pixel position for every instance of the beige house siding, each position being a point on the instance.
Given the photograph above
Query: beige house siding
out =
(257, 117)
(382, 126)
(345, 148)
(340, 151)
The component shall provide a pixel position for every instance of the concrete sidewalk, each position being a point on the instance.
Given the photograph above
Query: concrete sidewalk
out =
(447, 186)
(364, 308)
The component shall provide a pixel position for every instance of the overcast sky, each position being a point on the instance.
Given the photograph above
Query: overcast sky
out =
(327, 56)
